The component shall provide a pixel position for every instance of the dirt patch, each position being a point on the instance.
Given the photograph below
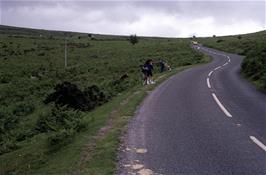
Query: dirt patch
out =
(91, 145)
(145, 172)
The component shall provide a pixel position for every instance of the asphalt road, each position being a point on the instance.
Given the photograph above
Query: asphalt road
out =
(207, 120)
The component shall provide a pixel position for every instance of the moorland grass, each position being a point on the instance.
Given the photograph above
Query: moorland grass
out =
(33, 64)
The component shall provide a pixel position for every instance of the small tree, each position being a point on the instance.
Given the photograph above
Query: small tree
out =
(133, 39)
(239, 37)
(214, 36)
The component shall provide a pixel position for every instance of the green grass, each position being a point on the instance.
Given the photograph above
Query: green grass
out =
(252, 46)
(33, 63)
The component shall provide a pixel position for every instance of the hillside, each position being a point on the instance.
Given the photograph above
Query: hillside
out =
(49, 113)
(253, 46)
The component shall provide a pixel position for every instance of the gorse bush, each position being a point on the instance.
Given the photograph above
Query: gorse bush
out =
(57, 119)
(68, 94)
(61, 124)
(59, 139)
(254, 65)
(95, 96)
(133, 39)
(23, 109)
(9, 144)
(7, 123)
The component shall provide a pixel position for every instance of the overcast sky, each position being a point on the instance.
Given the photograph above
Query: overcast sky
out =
(146, 18)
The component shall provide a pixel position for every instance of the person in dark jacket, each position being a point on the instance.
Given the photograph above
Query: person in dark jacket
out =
(148, 66)
(162, 65)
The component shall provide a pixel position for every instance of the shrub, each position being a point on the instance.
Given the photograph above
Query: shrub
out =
(8, 122)
(7, 144)
(68, 94)
(41, 54)
(219, 41)
(95, 96)
(58, 119)
(117, 86)
(5, 78)
(62, 124)
(58, 139)
(254, 64)
(133, 39)
(23, 109)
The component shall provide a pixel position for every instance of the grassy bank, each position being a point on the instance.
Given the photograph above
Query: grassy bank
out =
(252, 46)
(44, 138)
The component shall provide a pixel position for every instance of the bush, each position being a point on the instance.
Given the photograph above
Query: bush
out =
(220, 40)
(58, 139)
(23, 109)
(95, 96)
(118, 86)
(62, 124)
(7, 144)
(68, 94)
(58, 119)
(41, 54)
(8, 122)
(5, 78)
(254, 65)
(133, 39)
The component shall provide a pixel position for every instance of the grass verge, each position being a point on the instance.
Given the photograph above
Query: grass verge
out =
(103, 158)
(252, 46)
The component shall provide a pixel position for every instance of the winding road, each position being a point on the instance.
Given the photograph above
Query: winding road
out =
(206, 120)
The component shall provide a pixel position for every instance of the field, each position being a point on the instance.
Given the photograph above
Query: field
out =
(68, 120)
(252, 46)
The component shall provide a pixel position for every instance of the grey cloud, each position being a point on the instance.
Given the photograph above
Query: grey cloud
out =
(172, 18)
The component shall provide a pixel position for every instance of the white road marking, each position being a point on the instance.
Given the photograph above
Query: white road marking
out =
(208, 83)
(221, 106)
(228, 59)
(217, 67)
(259, 143)
(210, 73)
(225, 64)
